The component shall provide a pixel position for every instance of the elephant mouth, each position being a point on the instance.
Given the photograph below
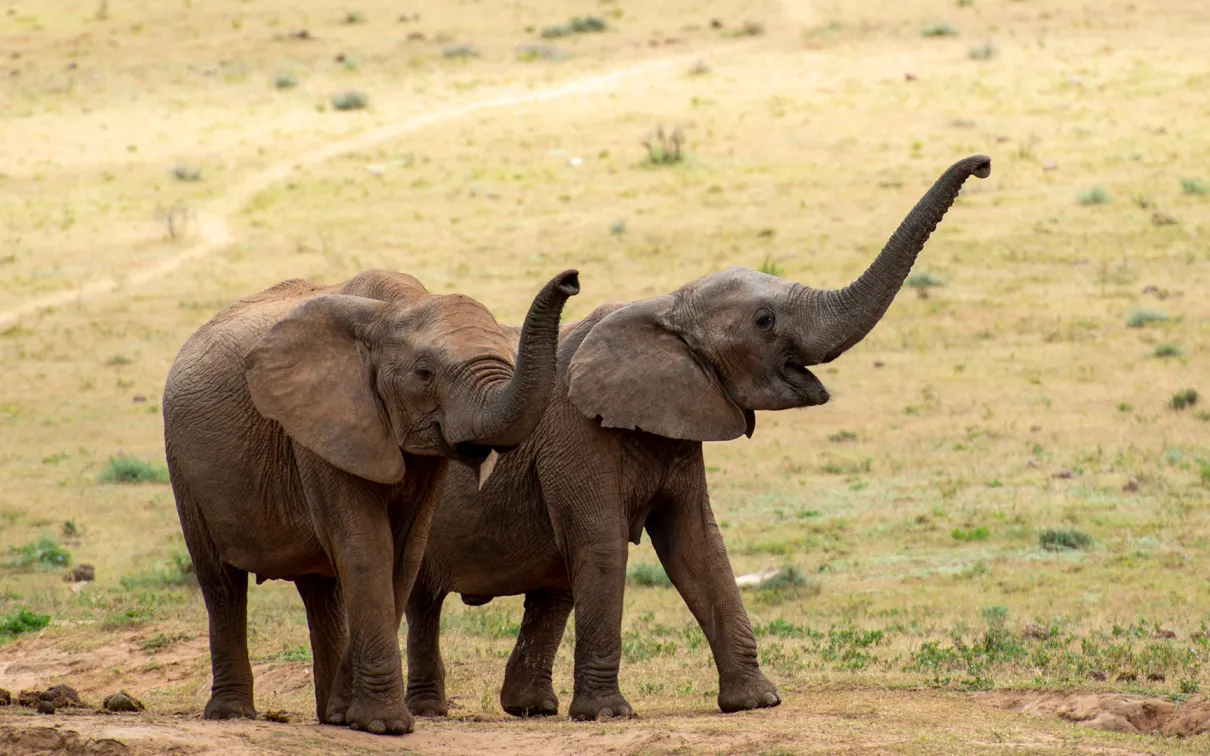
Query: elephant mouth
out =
(805, 383)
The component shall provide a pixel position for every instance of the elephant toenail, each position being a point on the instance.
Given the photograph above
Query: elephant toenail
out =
(771, 699)
(750, 703)
(606, 713)
(377, 727)
(336, 719)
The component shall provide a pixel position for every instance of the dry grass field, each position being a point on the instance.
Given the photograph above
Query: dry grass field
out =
(1000, 524)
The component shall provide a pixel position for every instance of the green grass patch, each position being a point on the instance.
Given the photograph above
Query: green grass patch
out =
(42, 554)
(350, 100)
(577, 25)
(123, 469)
(647, 575)
(941, 29)
(1193, 186)
(179, 573)
(1183, 399)
(22, 621)
(979, 533)
(1096, 195)
(1067, 539)
(487, 624)
(1140, 317)
(770, 267)
(1167, 350)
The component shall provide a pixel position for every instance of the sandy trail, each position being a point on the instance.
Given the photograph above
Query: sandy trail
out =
(209, 225)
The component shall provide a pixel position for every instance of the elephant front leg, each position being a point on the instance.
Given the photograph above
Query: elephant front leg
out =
(691, 549)
(527, 690)
(426, 670)
(598, 582)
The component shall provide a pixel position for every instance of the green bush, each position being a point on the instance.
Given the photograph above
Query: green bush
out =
(350, 100)
(285, 81)
(123, 469)
(1140, 317)
(1096, 195)
(1168, 350)
(42, 554)
(1068, 539)
(1183, 398)
(586, 25)
(647, 575)
(943, 29)
(454, 52)
(972, 534)
(22, 621)
(1193, 186)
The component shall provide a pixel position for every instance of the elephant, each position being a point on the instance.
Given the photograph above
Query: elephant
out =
(640, 387)
(307, 428)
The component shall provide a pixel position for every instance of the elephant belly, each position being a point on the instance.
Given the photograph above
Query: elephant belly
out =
(480, 582)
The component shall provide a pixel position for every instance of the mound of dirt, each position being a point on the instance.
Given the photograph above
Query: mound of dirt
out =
(53, 698)
(36, 741)
(1114, 712)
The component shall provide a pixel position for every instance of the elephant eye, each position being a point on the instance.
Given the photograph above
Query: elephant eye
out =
(423, 374)
(765, 321)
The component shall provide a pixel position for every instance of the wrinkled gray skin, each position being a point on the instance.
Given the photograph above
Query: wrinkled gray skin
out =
(640, 386)
(307, 428)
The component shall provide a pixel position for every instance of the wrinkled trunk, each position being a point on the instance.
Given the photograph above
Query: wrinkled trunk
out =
(839, 319)
(510, 410)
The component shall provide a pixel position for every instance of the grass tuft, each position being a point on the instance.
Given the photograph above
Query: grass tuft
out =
(459, 52)
(285, 81)
(179, 573)
(350, 100)
(42, 554)
(1096, 195)
(1183, 399)
(647, 575)
(1140, 317)
(979, 533)
(770, 267)
(123, 469)
(1068, 539)
(22, 621)
(941, 29)
(585, 25)
(985, 51)
(1193, 186)
(186, 173)
(921, 282)
(664, 148)
(1168, 350)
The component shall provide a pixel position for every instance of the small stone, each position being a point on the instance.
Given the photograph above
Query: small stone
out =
(340, 57)
(45, 707)
(416, 37)
(1127, 677)
(6, 698)
(72, 66)
(716, 24)
(1168, 634)
(1132, 485)
(138, 399)
(909, 76)
(1063, 474)
(122, 702)
(280, 717)
(879, 363)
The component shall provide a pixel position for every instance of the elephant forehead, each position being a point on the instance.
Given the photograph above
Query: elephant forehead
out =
(455, 326)
(725, 286)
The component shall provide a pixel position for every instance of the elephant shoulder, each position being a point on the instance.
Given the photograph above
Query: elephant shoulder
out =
(385, 286)
(572, 335)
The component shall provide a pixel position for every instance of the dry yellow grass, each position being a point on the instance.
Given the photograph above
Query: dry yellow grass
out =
(805, 146)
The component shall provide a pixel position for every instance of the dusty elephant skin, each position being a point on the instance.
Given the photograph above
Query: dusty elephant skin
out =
(306, 428)
(641, 386)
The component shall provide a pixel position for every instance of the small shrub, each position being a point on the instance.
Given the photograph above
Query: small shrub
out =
(841, 437)
(749, 29)
(1189, 687)
(1068, 539)
(459, 52)
(921, 282)
(664, 148)
(1139, 318)
(970, 534)
(617, 228)
(647, 575)
(770, 267)
(985, 51)
(294, 654)
(942, 29)
(187, 173)
(22, 621)
(72, 529)
(1193, 186)
(1168, 350)
(354, 17)
(529, 53)
(586, 25)
(1203, 472)
(285, 81)
(1183, 398)
(123, 469)
(1096, 195)
(350, 100)
(42, 554)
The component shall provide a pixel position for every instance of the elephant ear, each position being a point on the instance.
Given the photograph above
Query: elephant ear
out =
(633, 371)
(312, 374)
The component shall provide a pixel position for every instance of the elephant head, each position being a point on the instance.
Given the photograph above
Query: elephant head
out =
(361, 381)
(696, 363)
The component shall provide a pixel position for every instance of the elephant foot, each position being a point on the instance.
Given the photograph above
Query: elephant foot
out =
(611, 706)
(754, 692)
(377, 718)
(427, 708)
(531, 701)
(229, 707)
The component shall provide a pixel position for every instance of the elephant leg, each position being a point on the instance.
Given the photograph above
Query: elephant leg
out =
(426, 670)
(329, 634)
(527, 690)
(351, 517)
(690, 547)
(598, 577)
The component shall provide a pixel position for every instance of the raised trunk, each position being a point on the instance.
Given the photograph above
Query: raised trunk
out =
(844, 317)
(509, 412)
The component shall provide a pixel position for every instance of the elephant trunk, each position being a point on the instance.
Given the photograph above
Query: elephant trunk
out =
(509, 411)
(847, 315)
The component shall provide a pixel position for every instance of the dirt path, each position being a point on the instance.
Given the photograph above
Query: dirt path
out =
(209, 225)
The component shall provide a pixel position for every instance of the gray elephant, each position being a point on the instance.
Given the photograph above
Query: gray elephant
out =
(306, 429)
(640, 387)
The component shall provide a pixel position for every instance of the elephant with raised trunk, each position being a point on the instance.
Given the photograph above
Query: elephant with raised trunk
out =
(307, 428)
(640, 387)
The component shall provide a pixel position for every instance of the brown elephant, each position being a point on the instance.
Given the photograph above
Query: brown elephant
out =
(306, 430)
(640, 387)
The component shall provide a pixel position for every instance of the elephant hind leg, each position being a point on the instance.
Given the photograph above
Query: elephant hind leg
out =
(329, 636)
(527, 690)
(225, 591)
(426, 670)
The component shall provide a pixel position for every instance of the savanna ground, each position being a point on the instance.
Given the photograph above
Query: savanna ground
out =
(1002, 509)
